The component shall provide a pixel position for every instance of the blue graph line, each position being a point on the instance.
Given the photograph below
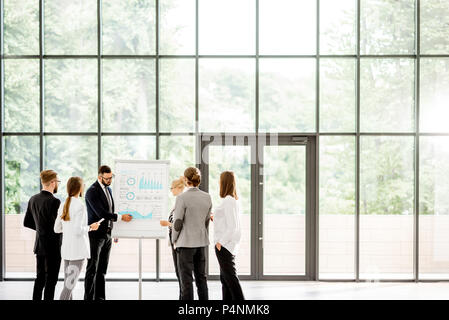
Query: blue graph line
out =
(137, 215)
(149, 184)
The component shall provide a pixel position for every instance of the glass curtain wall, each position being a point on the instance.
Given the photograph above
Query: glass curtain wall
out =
(83, 81)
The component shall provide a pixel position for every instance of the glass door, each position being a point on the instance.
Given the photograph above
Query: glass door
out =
(231, 153)
(276, 185)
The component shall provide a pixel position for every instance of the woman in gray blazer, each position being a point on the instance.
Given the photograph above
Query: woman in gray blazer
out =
(190, 235)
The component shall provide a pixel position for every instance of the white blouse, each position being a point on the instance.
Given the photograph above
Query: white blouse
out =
(227, 224)
(75, 232)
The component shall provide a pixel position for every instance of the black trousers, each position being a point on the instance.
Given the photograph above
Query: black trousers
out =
(192, 260)
(97, 266)
(47, 270)
(175, 261)
(230, 284)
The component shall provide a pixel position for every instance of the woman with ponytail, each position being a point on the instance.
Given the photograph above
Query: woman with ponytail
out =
(72, 223)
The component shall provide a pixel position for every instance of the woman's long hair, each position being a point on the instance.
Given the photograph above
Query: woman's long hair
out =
(73, 188)
(228, 185)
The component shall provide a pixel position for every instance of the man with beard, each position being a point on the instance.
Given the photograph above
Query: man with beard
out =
(100, 205)
(40, 216)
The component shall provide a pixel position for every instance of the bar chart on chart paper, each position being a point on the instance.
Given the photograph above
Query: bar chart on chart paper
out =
(141, 190)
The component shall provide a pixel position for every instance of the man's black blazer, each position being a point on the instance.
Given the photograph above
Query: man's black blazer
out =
(98, 207)
(40, 216)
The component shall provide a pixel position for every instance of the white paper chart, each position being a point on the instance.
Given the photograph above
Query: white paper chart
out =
(141, 190)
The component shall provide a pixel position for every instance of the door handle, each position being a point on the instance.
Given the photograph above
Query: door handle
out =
(260, 238)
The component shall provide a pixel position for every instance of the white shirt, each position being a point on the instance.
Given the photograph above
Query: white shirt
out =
(108, 196)
(227, 224)
(75, 238)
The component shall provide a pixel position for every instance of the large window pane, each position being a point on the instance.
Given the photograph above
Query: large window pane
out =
(226, 95)
(434, 208)
(70, 27)
(337, 207)
(180, 151)
(287, 27)
(219, 35)
(21, 95)
(287, 95)
(177, 26)
(129, 92)
(21, 172)
(337, 95)
(337, 26)
(434, 95)
(71, 95)
(127, 148)
(387, 26)
(72, 156)
(386, 207)
(21, 182)
(21, 27)
(284, 210)
(177, 95)
(129, 27)
(387, 95)
(434, 26)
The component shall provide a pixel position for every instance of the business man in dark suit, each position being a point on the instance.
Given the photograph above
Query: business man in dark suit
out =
(40, 216)
(100, 205)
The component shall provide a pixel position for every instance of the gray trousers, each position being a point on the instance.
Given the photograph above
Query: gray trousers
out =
(72, 269)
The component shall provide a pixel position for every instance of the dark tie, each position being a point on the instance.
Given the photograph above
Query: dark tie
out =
(108, 195)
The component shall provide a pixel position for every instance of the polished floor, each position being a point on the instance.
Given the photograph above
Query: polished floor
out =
(257, 290)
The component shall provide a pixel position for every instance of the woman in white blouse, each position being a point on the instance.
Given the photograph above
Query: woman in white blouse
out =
(72, 222)
(227, 236)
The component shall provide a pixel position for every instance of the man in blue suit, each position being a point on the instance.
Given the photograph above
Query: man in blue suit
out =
(100, 205)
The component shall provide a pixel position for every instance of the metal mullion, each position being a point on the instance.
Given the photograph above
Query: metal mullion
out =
(314, 202)
(417, 140)
(257, 69)
(128, 133)
(99, 81)
(69, 133)
(127, 56)
(288, 56)
(337, 133)
(196, 71)
(437, 134)
(433, 55)
(182, 56)
(255, 174)
(401, 134)
(338, 56)
(18, 57)
(2, 152)
(388, 56)
(221, 56)
(49, 57)
(157, 126)
(357, 160)
(176, 133)
(20, 134)
(41, 85)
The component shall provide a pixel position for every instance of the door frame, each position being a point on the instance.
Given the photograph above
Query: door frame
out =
(257, 142)
(311, 249)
